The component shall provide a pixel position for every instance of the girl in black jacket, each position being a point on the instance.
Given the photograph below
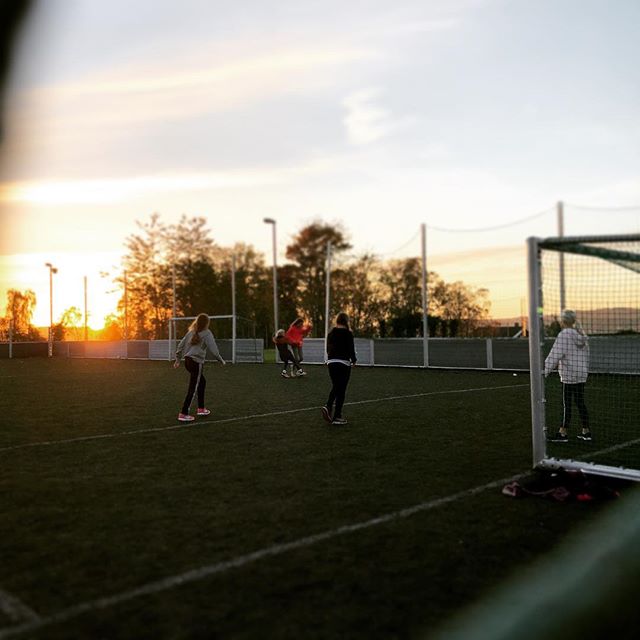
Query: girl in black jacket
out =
(341, 354)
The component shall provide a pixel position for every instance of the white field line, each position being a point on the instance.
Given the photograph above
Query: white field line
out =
(16, 610)
(615, 447)
(199, 423)
(205, 571)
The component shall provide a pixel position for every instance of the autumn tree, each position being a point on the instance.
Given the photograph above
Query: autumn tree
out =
(308, 251)
(354, 291)
(402, 299)
(19, 312)
(69, 325)
(459, 307)
(113, 329)
(148, 280)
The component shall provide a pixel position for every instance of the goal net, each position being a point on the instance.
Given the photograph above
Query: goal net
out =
(234, 335)
(598, 278)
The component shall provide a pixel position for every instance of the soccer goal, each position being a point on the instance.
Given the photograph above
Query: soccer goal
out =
(235, 337)
(598, 278)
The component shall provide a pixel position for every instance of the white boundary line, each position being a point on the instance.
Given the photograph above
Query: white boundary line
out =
(205, 571)
(198, 423)
(16, 610)
(615, 447)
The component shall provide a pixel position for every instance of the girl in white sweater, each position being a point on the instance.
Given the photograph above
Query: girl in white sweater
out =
(570, 355)
(194, 347)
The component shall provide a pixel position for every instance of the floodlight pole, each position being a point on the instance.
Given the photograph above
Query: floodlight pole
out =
(272, 222)
(327, 296)
(425, 301)
(126, 308)
(233, 309)
(86, 328)
(52, 270)
(173, 290)
(560, 212)
(173, 309)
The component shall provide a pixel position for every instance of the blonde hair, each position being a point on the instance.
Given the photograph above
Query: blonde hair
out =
(199, 324)
(568, 317)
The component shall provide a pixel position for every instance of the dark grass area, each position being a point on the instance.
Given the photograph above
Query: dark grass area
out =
(94, 518)
(613, 402)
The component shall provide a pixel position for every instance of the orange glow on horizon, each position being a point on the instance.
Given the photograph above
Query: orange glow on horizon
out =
(28, 271)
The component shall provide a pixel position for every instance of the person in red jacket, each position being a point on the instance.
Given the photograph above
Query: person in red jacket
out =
(296, 333)
(284, 350)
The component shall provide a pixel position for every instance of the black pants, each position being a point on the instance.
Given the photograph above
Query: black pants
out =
(340, 374)
(196, 382)
(571, 392)
(287, 357)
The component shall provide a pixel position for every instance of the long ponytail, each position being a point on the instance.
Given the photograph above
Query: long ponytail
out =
(199, 324)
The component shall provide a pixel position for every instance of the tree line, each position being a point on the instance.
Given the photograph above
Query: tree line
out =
(382, 297)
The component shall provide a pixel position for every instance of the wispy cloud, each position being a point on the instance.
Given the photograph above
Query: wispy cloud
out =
(114, 190)
(151, 93)
(365, 121)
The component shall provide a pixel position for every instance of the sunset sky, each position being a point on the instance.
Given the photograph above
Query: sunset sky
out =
(380, 115)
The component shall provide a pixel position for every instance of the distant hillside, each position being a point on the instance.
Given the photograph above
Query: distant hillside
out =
(610, 320)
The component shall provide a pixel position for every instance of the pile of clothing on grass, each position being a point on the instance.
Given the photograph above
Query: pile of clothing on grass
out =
(563, 485)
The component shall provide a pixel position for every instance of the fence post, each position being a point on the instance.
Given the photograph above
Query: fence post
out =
(373, 352)
(489, 353)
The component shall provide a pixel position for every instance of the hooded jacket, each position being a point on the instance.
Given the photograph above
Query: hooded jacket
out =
(198, 352)
(570, 355)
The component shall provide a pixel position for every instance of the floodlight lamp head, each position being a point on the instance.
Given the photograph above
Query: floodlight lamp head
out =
(268, 220)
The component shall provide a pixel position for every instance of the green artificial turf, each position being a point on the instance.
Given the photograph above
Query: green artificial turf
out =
(87, 517)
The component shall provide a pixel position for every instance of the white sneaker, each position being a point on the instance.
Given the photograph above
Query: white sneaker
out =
(339, 421)
(284, 374)
(301, 373)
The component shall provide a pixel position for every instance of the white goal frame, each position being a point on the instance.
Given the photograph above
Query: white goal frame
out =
(173, 337)
(541, 459)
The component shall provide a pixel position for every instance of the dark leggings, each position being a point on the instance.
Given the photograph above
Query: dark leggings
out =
(340, 374)
(196, 381)
(287, 357)
(575, 392)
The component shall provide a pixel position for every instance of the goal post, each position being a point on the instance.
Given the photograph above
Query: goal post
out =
(234, 335)
(600, 282)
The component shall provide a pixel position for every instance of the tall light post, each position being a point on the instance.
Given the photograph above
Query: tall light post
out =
(52, 270)
(272, 222)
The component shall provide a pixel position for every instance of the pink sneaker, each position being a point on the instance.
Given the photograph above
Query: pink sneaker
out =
(203, 412)
(185, 417)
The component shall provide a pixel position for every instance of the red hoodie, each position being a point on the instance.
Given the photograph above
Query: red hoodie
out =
(296, 335)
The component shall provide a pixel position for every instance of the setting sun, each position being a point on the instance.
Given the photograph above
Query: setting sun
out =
(28, 271)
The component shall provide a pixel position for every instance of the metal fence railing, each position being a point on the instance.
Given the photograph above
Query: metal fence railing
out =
(449, 353)
(247, 350)
(493, 354)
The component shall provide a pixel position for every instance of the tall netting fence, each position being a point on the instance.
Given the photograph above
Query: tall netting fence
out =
(596, 350)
